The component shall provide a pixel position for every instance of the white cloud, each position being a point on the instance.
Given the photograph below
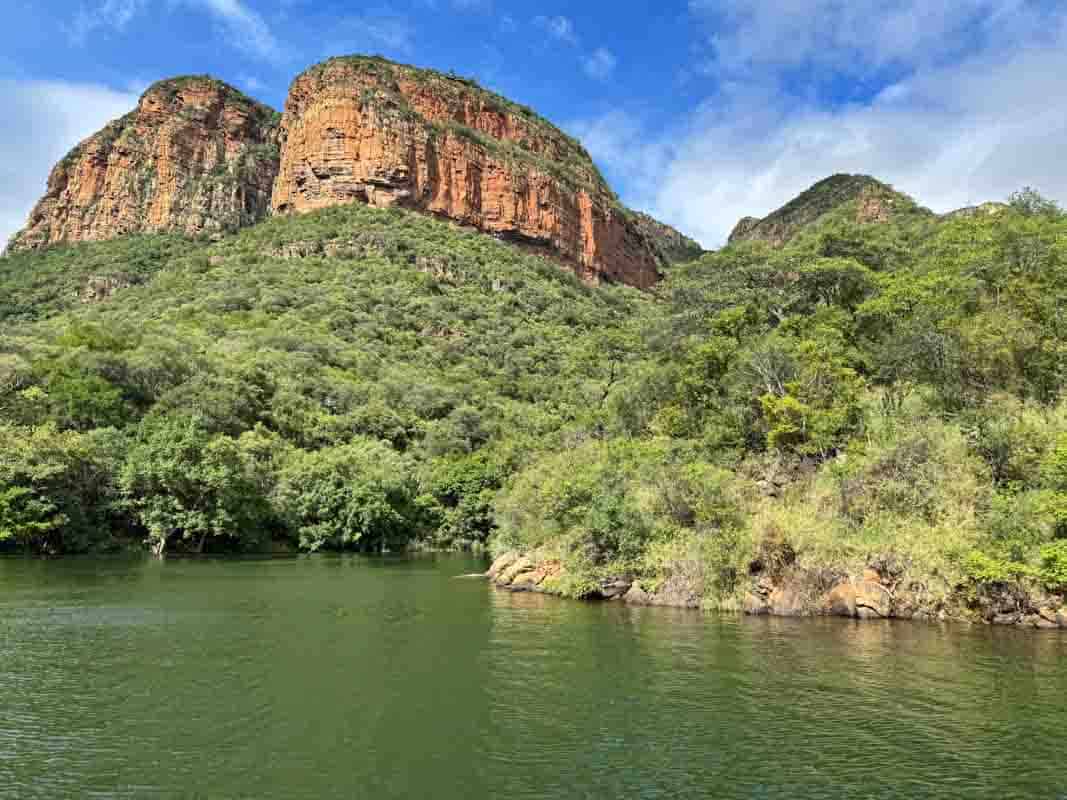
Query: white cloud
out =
(949, 134)
(114, 14)
(560, 28)
(856, 35)
(45, 119)
(240, 25)
(381, 28)
(600, 64)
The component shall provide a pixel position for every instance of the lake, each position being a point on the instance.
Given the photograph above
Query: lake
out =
(354, 677)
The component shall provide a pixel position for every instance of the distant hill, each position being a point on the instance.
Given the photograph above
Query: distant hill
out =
(871, 200)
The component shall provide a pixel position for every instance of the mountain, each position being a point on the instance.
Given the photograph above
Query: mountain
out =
(870, 200)
(197, 156)
(867, 419)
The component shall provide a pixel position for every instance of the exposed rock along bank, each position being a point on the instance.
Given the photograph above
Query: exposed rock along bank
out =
(197, 156)
(869, 596)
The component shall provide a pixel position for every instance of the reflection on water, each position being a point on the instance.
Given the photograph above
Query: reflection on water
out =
(350, 677)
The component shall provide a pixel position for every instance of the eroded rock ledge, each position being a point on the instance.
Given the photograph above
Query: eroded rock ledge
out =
(868, 596)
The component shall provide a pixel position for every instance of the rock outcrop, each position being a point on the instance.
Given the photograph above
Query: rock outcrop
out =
(365, 129)
(672, 246)
(991, 209)
(780, 588)
(195, 156)
(873, 202)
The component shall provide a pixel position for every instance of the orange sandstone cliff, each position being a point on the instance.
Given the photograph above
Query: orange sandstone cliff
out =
(195, 156)
(366, 129)
(198, 156)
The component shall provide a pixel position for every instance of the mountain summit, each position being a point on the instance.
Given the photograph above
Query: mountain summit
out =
(874, 202)
(197, 156)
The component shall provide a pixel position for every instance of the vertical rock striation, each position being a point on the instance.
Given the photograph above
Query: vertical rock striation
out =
(364, 129)
(195, 156)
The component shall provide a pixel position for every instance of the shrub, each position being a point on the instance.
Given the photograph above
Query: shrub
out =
(359, 495)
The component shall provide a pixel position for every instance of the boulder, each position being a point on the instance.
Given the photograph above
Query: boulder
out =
(513, 570)
(501, 563)
(756, 605)
(873, 601)
(614, 588)
(1010, 618)
(637, 596)
(677, 591)
(1049, 615)
(787, 602)
(840, 601)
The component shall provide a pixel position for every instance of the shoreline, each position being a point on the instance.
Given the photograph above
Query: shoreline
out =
(869, 596)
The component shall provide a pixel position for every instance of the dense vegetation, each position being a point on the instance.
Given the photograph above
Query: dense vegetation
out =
(884, 393)
(351, 378)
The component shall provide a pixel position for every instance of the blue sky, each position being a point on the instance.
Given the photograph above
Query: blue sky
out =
(699, 112)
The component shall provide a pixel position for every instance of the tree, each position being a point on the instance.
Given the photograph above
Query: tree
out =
(187, 484)
(359, 495)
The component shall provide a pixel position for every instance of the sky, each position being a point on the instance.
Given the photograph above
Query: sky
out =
(698, 112)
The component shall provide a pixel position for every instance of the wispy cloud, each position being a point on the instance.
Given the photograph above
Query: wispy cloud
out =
(600, 64)
(559, 27)
(44, 120)
(949, 134)
(240, 25)
(378, 28)
(746, 37)
(110, 14)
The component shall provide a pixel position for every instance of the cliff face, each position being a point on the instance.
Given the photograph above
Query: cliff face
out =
(874, 202)
(194, 156)
(198, 156)
(362, 129)
(672, 246)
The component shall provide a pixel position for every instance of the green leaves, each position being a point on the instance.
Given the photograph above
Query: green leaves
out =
(183, 482)
(359, 496)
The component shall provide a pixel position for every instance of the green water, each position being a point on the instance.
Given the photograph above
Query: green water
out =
(332, 677)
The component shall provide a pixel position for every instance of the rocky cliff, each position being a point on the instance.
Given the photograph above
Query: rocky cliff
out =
(364, 129)
(198, 156)
(872, 201)
(672, 246)
(195, 156)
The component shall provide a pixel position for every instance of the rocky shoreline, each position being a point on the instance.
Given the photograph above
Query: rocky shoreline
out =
(872, 595)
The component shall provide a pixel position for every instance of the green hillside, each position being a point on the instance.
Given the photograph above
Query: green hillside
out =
(883, 394)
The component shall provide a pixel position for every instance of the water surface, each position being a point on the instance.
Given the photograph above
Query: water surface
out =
(347, 677)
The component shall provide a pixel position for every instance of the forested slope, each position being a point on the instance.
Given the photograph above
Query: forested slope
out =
(872, 397)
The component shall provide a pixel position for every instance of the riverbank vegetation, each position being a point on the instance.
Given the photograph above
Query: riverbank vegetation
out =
(884, 394)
